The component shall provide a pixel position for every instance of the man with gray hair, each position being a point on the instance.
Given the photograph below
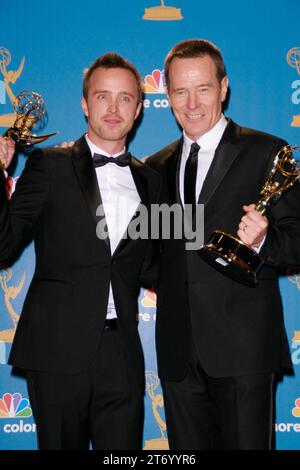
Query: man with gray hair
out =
(219, 343)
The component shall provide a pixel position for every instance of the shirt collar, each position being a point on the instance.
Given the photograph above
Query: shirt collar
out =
(94, 149)
(210, 140)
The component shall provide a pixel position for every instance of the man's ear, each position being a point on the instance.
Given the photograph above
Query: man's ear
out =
(84, 107)
(224, 88)
(138, 109)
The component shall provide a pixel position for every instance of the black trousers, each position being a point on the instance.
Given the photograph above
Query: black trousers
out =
(103, 405)
(206, 413)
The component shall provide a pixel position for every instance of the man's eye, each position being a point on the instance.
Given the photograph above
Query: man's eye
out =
(126, 99)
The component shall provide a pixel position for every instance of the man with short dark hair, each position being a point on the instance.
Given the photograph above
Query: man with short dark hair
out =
(77, 336)
(219, 343)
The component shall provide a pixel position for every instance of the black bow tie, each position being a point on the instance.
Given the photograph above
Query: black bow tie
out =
(121, 160)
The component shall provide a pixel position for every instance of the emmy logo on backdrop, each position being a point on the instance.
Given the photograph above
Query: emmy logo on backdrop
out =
(10, 293)
(295, 348)
(9, 77)
(296, 337)
(157, 401)
(294, 275)
(293, 59)
(163, 13)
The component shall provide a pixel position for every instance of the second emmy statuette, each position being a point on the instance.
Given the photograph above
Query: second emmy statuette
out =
(227, 253)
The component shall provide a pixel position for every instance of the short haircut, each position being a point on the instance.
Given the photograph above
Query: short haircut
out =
(111, 60)
(192, 48)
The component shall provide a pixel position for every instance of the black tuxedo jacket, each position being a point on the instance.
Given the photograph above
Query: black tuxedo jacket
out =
(55, 204)
(236, 329)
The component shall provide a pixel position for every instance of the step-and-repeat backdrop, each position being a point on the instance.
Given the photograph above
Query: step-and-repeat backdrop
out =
(45, 47)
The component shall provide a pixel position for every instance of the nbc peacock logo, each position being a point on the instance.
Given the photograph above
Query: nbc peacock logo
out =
(149, 299)
(296, 409)
(296, 348)
(155, 82)
(289, 427)
(14, 406)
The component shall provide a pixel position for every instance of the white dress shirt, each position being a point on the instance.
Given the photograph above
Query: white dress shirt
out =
(120, 200)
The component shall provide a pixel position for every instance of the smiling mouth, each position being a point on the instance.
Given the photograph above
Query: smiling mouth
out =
(194, 117)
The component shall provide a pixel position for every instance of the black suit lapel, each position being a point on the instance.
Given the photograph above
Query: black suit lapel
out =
(87, 178)
(224, 157)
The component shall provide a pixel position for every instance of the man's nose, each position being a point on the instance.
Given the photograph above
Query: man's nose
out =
(113, 105)
(192, 100)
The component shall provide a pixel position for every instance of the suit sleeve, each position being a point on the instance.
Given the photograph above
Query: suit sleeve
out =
(19, 216)
(282, 246)
(148, 273)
